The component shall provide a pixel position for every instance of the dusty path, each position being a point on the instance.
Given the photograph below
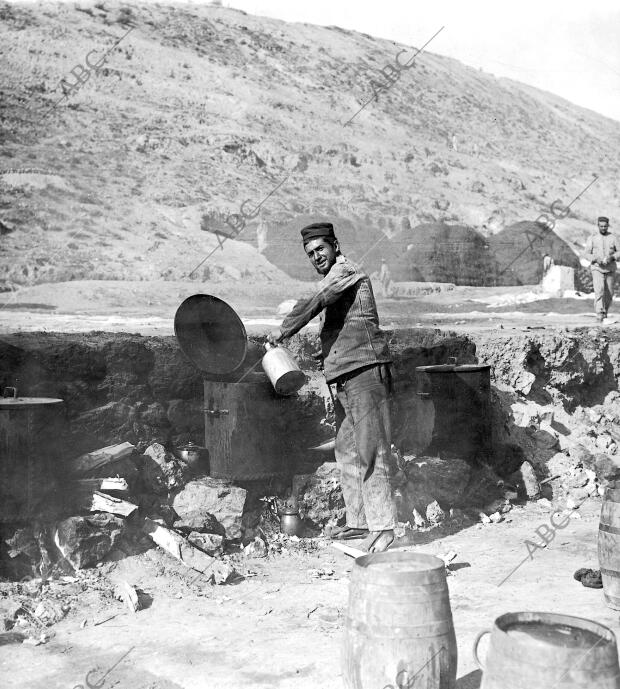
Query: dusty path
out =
(283, 628)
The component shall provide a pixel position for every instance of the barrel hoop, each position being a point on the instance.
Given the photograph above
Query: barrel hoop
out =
(425, 631)
(610, 573)
(609, 529)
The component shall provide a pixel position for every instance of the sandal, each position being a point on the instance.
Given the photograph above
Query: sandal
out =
(591, 578)
(347, 533)
(378, 541)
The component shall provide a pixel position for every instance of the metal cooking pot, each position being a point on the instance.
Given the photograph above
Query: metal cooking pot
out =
(194, 456)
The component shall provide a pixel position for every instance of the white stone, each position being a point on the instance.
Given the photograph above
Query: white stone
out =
(558, 279)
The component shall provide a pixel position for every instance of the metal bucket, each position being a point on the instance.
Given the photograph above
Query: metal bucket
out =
(283, 371)
(210, 334)
(542, 649)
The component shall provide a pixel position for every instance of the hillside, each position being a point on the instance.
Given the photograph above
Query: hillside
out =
(200, 108)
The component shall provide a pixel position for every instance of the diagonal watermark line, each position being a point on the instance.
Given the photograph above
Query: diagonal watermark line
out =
(570, 667)
(582, 192)
(251, 214)
(64, 97)
(555, 527)
(375, 96)
(527, 557)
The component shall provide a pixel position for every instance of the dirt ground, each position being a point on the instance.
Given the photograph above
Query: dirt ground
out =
(148, 308)
(283, 627)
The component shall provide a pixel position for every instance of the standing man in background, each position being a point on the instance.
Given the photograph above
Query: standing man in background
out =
(602, 251)
(356, 362)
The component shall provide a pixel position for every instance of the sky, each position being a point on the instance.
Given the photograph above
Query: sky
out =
(571, 49)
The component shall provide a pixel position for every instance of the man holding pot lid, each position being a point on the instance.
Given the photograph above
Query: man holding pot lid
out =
(356, 362)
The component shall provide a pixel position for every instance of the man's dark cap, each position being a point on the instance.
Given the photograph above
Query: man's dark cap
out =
(602, 218)
(316, 230)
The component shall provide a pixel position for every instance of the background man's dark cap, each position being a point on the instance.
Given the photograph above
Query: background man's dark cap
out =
(316, 230)
(602, 218)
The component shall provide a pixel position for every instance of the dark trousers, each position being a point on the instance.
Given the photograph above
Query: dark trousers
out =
(363, 448)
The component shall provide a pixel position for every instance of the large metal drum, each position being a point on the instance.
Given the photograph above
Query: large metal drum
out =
(460, 396)
(30, 455)
(245, 430)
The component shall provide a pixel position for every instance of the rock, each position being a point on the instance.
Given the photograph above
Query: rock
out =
(524, 381)
(257, 548)
(319, 495)
(221, 572)
(158, 453)
(162, 471)
(581, 455)
(606, 468)
(84, 541)
(212, 544)
(418, 519)
(207, 524)
(579, 495)
(579, 480)
(545, 438)
(23, 541)
(205, 498)
(546, 416)
(604, 441)
(561, 464)
(434, 513)
(528, 480)
(507, 458)
(484, 518)
(496, 517)
(526, 415)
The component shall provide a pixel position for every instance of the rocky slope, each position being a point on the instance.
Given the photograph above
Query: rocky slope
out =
(200, 108)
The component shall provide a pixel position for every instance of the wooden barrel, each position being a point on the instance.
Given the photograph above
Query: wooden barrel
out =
(541, 649)
(609, 546)
(398, 629)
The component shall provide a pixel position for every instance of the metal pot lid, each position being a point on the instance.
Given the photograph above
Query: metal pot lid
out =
(436, 368)
(210, 334)
(27, 402)
(472, 367)
(190, 446)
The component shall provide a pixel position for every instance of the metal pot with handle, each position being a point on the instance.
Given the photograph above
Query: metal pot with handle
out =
(194, 456)
(282, 369)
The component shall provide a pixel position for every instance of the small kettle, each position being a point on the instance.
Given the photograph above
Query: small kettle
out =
(282, 369)
(290, 521)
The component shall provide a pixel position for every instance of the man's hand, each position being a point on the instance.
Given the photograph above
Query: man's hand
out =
(274, 337)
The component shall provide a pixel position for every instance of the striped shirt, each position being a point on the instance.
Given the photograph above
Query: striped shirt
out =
(350, 333)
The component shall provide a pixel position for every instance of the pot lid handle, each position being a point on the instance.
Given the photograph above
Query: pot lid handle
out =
(10, 392)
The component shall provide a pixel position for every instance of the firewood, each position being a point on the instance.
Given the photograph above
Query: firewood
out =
(178, 546)
(91, 461)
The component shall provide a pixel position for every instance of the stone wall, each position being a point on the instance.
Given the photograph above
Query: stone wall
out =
(124, 387)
